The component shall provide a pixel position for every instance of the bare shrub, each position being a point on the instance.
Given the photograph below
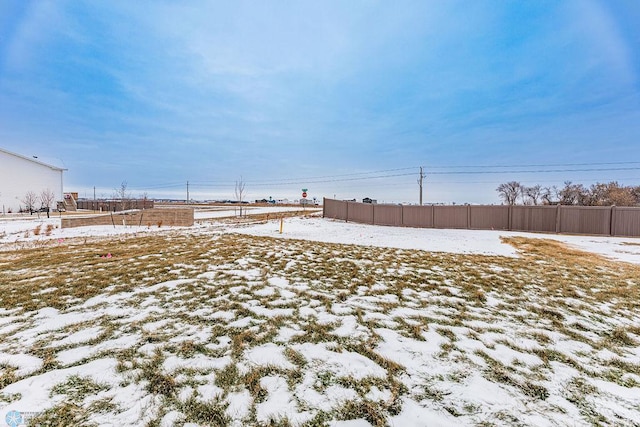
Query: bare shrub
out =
(30, 199)
(47, 197)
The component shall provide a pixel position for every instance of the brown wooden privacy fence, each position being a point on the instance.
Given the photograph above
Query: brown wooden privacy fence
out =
(113, 205)
(599, 220)
(148, 217)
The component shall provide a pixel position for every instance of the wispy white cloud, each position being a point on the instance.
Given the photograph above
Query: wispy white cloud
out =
(603, 45)
(212, 89)
(36, 26)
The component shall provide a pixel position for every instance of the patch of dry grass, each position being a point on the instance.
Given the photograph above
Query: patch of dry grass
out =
(549, 296)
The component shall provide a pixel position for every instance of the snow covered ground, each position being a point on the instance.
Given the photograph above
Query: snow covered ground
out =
(487, 242)
(230, 211)
(220, 324)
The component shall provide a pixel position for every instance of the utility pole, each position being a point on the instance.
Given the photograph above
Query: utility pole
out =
(187, 192)
(420, 184)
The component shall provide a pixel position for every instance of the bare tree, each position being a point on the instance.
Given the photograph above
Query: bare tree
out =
(573, 194)
(550, 195)
(532, 195)
(636, 194)
(239, 192)
(122, 194)
(598, 194)
(30, 200)
(144, 197)
(622, 196)
(47, 197)
(509, 192)
(612, 193)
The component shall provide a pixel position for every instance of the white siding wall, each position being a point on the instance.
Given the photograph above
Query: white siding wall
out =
(18, 175)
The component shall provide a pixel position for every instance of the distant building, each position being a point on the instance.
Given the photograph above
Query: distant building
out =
(21, 174)
(369, 200)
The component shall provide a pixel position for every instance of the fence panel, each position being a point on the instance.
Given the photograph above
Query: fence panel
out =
(585, 220)
(626, 222)
(451, 217)
(387, 215)
(150, 218)
(114, 205)
(599, 220)
(360, 212)
(489, 217)
(334, 209)
(534, 218)
(417, 216)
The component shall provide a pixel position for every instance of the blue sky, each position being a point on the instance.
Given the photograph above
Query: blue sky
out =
(343, 98)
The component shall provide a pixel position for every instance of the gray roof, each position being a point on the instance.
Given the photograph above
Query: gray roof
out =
(56, 164)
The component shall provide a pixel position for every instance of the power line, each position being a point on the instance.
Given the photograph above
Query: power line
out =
(535, 165)
(532, 171)
(333, 178)
(305, 179)
(536, 181)
(311, 181)
(299, 180)
(383, 174)
(160, 186)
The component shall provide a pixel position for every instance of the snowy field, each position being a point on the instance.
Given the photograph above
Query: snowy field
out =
(328, 323)
(487, 242)
(231, 211)
(315, 228)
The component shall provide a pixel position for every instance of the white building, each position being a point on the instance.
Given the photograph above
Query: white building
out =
(21, 174)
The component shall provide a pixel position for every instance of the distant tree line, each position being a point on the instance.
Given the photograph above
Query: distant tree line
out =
(600, 194)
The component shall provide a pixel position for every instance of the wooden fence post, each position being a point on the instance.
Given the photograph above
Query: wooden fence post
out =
(612, 221)
(433, 216)
(558, 218)
(373, 214)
